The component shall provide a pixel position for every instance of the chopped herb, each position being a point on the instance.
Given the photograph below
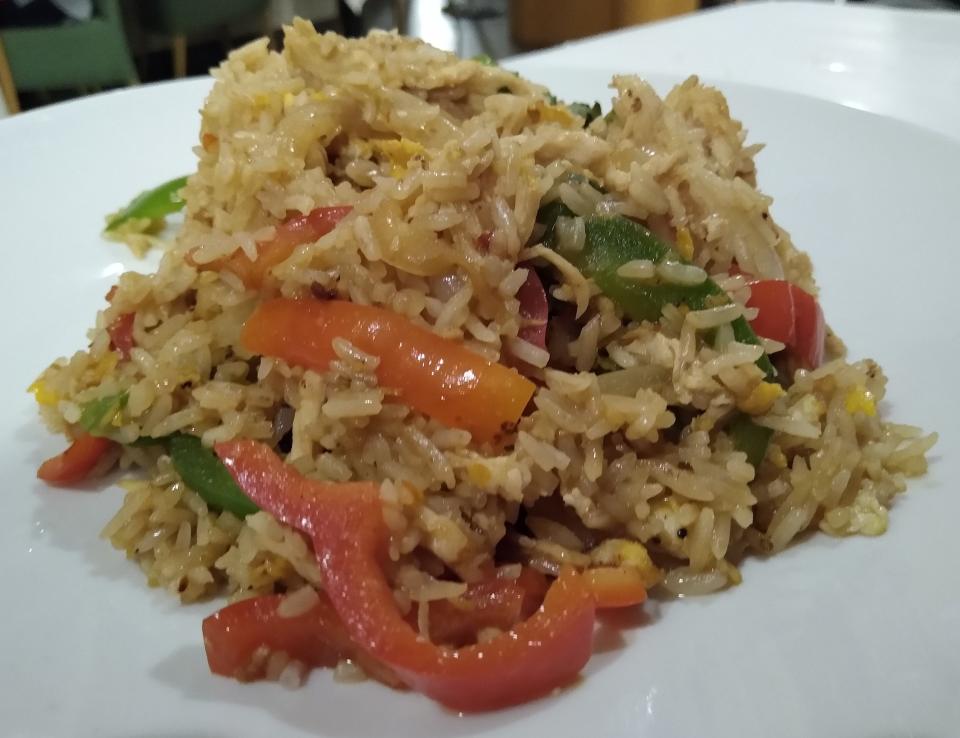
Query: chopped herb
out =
(153, 204)
(97, 416)
(589, 113)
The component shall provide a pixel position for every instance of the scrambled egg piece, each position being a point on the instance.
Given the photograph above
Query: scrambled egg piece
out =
(865, 516)
(399, 152)
(92, 375)
(860, 399)
(810, 408)
(291, 100)
(776, 456)
(553, 114)
(761, 398)
(684, 243)
(42, 393)
(104, 366)
(621, 552)
(479, 474)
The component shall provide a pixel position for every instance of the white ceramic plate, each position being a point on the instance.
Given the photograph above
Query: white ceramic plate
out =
(841, 638)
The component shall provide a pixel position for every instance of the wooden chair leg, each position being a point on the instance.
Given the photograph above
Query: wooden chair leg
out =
(400, 12)
(266, 22)
(178, 47)
(7, 87)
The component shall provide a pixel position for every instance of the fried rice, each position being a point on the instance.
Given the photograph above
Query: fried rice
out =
(624, 455)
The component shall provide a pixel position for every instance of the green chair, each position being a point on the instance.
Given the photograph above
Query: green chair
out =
(72, 54)
(181, 19)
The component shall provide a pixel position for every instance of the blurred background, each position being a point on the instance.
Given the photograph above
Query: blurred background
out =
(52, 50)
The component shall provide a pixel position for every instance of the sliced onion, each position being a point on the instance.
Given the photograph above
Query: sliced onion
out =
(626, 382)
(282, 423)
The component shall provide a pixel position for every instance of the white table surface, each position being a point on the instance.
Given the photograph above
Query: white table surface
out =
(900, 63)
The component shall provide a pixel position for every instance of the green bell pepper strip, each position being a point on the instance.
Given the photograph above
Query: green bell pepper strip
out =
(96, 416)
(206, 475)
(203, 472)
(612, 241)
(152, 204)
(750, 438)
(197, 465)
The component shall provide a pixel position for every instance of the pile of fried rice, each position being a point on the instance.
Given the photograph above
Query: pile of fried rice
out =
(445, 164)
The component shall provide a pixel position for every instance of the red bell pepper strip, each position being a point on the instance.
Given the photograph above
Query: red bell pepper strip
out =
(121, 334)
(616, 586)
(533, 310)
(234, 635)
(436, 376)
(495, 602)
(790, 315)
(75, 464)
(238, 636)
(811, 329)
(349, 539)
(291, 233)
